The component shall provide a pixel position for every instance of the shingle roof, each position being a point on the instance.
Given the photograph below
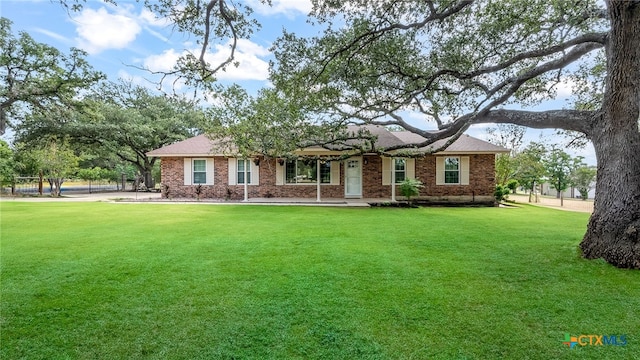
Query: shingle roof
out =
(201, 145)
(385, 138)
(196, 146)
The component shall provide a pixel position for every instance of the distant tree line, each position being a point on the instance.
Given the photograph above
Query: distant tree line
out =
(538, 163)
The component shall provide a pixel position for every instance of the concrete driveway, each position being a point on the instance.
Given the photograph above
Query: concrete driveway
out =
(568, 204)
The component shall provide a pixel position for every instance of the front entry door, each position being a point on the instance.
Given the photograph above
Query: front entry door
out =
(353, 178)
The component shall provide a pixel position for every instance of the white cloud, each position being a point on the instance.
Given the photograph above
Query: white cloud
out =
(162, 62)
(249, 55)
(564, 89)
(100, 30)
(115, 27)
(248, 47)
(287, 7)
(302, 6)
(479, 130)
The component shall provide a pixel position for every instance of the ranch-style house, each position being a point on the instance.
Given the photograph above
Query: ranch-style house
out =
(464, 172)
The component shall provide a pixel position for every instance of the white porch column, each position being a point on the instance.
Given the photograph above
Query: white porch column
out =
(318, 180)
(393, 179)
(246, 183)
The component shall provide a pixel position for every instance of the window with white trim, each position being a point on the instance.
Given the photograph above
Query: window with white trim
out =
(306, 172)
(452, 170)
(400, 169)
(240, 171)
(199, 171)
(325, 172)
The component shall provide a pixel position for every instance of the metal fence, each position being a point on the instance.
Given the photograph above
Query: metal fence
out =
(26, 185)
(31, 186)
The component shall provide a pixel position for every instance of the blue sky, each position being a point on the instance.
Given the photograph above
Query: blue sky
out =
(119, 38)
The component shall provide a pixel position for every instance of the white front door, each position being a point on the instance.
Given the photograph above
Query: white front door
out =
(353, 178)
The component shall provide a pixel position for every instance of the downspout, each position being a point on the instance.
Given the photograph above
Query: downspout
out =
(246, 183)
(393, 179)
(318, 180)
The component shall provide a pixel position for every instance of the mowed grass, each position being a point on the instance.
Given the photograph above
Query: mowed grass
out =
(158, 281)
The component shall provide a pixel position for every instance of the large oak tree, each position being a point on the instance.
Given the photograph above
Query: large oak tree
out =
(459, 62)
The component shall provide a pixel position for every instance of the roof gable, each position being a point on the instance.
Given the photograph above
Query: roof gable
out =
(199, 145)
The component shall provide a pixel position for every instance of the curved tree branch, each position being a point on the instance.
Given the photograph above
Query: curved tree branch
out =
(513, 84)
(574, 120)
(228, 19)
(362, 40)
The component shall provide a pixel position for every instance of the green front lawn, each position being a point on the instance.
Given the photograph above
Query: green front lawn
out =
(158, 281)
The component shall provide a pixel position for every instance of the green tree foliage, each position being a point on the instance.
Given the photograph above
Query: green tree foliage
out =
(7, 164)
(36, 77)
(57, 162)
(513, 185)
(94, 174)
(506, 168)
(501, 193)
(583, 178)
(530, 169)
(434, 57)
(511, 137)
(246, 125)
(559, 166)
(272, 124)
(25, 163)
(124, 120)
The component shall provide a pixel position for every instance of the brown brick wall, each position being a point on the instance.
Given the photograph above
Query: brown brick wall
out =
(481, 179)
(480, 188)
(372, 178)
(172, 176)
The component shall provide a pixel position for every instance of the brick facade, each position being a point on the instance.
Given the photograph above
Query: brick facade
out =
(480, 189)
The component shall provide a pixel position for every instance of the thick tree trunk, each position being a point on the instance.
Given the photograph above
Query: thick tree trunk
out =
(613, 232)
(146, 172)
(148, 179)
